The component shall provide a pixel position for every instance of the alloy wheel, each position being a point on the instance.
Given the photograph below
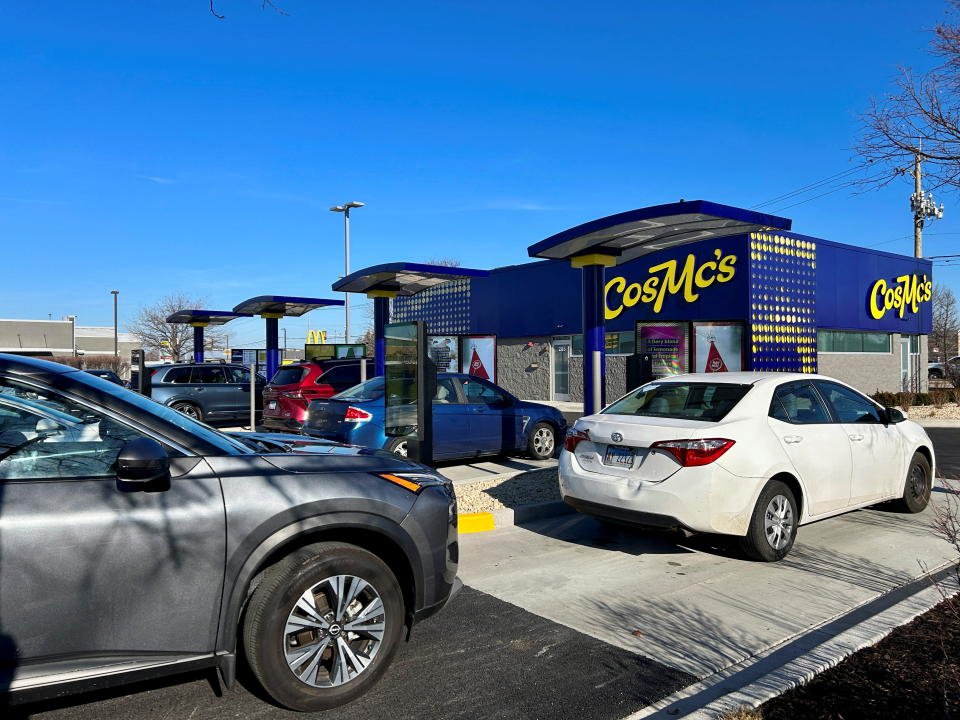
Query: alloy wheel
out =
(334, 631)
(543, 441)
(778, 522)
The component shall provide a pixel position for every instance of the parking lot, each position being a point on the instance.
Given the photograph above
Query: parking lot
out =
(567, 618)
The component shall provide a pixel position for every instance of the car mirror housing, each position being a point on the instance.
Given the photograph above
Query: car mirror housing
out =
(895, 415)
(143, 460)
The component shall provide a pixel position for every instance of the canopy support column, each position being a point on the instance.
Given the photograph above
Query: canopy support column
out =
(594, 350)
(198, 342)
(381, 316)
(273, 343)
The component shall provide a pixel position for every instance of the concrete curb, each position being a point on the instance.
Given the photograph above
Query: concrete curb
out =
(508, 517)
(795, 661)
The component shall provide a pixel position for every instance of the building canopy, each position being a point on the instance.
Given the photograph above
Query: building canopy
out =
(402, 278)
(206, 317)
(282, 305)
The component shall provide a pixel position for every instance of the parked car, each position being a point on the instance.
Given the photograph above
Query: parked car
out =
(172, 545)
(106, 375)
(470, 417)
(292, 388)
(752, 455)
(938, 370)
(206, 391)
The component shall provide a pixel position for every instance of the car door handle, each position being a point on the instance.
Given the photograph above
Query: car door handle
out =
(856, 438)
(792, 439)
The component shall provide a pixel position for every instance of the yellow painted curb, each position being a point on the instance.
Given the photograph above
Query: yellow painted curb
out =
(475, 522)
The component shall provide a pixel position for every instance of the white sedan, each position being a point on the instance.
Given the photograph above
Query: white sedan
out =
(746, 454)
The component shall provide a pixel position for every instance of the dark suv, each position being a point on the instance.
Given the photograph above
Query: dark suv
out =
(206, 391)
(138, 542)
(291, 389)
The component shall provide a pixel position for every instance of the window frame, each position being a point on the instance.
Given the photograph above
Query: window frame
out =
(775, 399)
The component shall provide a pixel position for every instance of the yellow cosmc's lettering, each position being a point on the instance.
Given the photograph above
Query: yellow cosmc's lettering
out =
(669, 279)
(908, 292)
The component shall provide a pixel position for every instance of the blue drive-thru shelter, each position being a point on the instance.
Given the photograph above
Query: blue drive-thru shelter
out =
(200, 319)
(273, 307)
(697, 285)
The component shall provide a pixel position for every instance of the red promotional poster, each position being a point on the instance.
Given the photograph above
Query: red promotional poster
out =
(714, 361)
(476, 367)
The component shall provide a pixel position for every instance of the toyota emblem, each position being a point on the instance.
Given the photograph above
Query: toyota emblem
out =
(616, 437)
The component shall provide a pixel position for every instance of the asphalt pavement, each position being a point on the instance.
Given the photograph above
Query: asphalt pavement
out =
(566, 618)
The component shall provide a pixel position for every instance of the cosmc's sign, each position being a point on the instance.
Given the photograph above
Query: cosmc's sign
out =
(906, 291)
(316, 337)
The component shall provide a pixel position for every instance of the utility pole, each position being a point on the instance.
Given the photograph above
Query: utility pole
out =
(922, 205)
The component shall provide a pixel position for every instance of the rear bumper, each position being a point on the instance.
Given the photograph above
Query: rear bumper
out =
(633, 517)
(280, 423)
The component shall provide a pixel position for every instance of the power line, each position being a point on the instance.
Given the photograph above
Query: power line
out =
(809, 187)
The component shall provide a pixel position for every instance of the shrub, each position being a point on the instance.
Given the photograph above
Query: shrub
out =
(939, 397)
(887, 399)
(922, 398)
(904, 400)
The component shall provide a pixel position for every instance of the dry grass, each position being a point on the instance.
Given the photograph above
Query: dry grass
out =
(743, 713)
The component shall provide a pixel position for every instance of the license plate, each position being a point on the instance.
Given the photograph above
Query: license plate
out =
(272, 405)
(618, 455)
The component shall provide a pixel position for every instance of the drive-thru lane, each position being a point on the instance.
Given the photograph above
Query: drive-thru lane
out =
(567, 618)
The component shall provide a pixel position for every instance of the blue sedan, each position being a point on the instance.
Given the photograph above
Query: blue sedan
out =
(471, 417)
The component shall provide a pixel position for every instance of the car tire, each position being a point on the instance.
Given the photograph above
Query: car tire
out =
(773, 525)
(918, 485)
(543, 441)
(935, 375)
(189, 409)
(304, 670)
(399, 446)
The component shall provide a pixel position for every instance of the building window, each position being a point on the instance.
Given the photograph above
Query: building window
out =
(843, 341)
(617, 343)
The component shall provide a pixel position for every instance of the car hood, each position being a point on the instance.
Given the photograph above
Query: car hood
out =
(343, 458)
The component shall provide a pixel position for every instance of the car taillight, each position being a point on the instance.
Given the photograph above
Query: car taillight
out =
(355, 414)
(294, 394)
(574, 438)
(691, 453)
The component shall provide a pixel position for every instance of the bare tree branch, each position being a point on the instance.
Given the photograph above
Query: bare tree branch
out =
(157, 335)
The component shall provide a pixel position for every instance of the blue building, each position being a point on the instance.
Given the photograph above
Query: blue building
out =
(702, 287)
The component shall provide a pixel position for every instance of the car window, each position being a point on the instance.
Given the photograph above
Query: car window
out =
(370, 390)
(237, 374)
(207, 375)
(800, 404)
(342, 376)
(446, 392)
(478, 391)
(47, 436)
(179, 375)
(849, 405)
(288, 375)
(681, 400)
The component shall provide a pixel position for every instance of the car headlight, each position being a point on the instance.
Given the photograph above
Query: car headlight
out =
(415, 482)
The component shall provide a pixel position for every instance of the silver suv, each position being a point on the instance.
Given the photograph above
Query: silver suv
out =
(138, 542)
(206, 391)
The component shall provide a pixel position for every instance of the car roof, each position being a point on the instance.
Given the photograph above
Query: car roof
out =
(25, 365)
(742, 378)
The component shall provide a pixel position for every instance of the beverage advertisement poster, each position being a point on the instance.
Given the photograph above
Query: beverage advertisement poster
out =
(444, 351)
(478, 356)
(718, 347)
(668, 345)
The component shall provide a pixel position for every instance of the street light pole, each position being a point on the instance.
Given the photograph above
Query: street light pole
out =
(345, 209)
(116, 344)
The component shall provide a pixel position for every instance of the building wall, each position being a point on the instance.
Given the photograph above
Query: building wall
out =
(54, 336)
(870, 372)
(616, 377)
(524, 369)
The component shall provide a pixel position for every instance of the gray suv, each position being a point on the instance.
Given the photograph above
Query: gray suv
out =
(137, 542)
(206, 391)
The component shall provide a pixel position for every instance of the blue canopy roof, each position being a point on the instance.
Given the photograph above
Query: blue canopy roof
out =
(210, 317)
(282, 305)
(402, 278)
(630, 234)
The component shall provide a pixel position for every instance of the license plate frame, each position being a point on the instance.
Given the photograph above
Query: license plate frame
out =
(619, 456)
(272, 405)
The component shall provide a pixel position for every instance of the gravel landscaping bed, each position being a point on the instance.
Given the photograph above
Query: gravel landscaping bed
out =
(533, 486)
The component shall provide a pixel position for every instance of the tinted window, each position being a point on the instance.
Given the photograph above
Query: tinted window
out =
(238, 375)
(369, 390)
(688, 401)
(799, 403)
(289, 375)
(177, 375)
(850, 406)
(478, 391)
(207, 375)
(446, 392)
(47, 436)
(343, 376)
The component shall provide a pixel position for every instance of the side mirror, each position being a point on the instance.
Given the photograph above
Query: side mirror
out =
(143, 460)
(895, 415)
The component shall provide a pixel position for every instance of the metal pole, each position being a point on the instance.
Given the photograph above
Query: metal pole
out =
(918, 215)
(198, 343)
(346, 271)
(381, 316)
(593, 340)
(116, 344)
(273, 351)
(253, 397)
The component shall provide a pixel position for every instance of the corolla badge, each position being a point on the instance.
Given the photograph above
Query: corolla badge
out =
(616, 437)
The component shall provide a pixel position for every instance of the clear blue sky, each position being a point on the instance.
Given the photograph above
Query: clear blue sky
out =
(149, 147)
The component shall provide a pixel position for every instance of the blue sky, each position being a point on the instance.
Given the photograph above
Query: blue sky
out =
(149, 147)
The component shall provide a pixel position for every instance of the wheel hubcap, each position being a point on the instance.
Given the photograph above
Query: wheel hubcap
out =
(334, 631)
(543, 441)
(918, 482)
(401, 449)
(778, 522)
(188, 410)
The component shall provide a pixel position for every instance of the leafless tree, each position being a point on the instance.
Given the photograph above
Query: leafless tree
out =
(452, 262)
(921, 114)
(157, 335)
(946, 322)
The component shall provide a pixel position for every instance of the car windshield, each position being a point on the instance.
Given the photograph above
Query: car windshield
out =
(370, 390)
(205, 432)
(684, 401)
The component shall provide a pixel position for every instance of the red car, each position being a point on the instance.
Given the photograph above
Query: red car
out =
(286, 396)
